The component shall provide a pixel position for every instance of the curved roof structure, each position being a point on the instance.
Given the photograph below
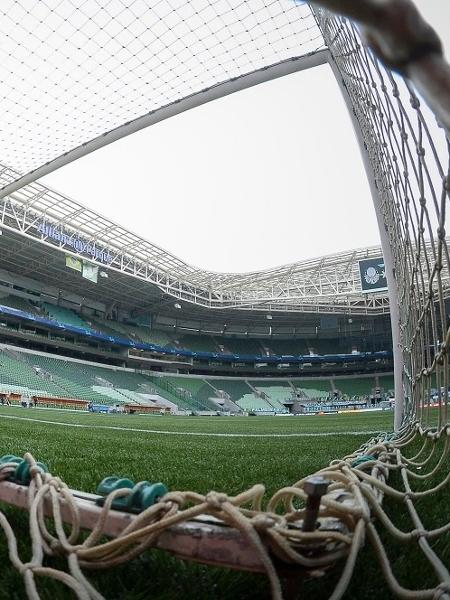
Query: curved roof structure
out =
(330, 283)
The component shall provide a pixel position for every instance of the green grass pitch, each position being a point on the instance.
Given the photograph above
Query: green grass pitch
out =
(197, 453)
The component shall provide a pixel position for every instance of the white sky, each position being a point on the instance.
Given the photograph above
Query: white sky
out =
(264, 177)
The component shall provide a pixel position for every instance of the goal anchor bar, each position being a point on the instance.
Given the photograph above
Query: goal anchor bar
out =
(204, 539)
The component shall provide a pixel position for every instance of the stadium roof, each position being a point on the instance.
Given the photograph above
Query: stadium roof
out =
(44, 226)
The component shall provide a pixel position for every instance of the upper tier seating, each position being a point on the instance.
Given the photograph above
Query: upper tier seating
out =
(153, 336)
(65, 315)
(106, 327)
(17, 302)
(242, 346)
(193, 342)
(198, 343)
(288, 347)
(325, 346)
(139, 333)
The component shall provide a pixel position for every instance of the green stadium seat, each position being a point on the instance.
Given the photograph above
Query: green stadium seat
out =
(65, 315)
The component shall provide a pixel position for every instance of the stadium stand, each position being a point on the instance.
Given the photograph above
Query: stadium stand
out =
(324, 346)
(243, 346)
(313, 389)
(39, 373)
(250, 402)
(107, 327)
(18, 303)
(150, 336)
(64, 315)
(59, 377)
(120, 379)
(277, 394)
(88, 325)
(18, 374)
(235, 388)
(357, 386)
(114, 395)
(76, 380)
(386, 382)
(164, 387)
(199, 390)
(289, 347)
(198, 343)
(135, 397)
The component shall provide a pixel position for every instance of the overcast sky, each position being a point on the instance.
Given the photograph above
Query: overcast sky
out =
(264, 177)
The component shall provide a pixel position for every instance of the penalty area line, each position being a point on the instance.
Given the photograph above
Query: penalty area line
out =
(191, 433)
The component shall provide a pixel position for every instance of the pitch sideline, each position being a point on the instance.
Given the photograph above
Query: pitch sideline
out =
(192, 433)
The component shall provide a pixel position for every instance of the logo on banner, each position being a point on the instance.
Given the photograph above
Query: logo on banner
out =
(373, 274)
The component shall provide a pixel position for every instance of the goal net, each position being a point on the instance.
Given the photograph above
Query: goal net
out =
(405, 149)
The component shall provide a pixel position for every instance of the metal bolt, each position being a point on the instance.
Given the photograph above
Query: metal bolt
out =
(315, 488)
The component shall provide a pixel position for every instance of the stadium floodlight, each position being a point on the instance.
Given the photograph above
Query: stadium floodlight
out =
(177, 305)
(104, 274)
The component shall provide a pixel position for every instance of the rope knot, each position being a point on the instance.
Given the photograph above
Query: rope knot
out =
(36, 470)
(55, 482)
(56, 546)
(263, 522)
(420, 151)
(418, 533)
(29, 566)
(216, 499)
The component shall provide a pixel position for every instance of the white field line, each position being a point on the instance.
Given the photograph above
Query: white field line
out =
(192, 433)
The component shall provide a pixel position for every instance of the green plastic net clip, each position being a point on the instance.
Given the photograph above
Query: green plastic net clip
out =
(363, 459)
(146, 494)
(111, 484)
(10, 458)
(22, 473)
(143, 494)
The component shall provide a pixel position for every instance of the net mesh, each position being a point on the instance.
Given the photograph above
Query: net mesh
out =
(78, 69)
(410, 161)
(409, 158)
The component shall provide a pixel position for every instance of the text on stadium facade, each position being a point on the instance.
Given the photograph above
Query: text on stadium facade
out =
(74, 242)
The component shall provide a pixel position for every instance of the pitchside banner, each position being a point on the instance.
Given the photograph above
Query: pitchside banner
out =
(373, 275)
